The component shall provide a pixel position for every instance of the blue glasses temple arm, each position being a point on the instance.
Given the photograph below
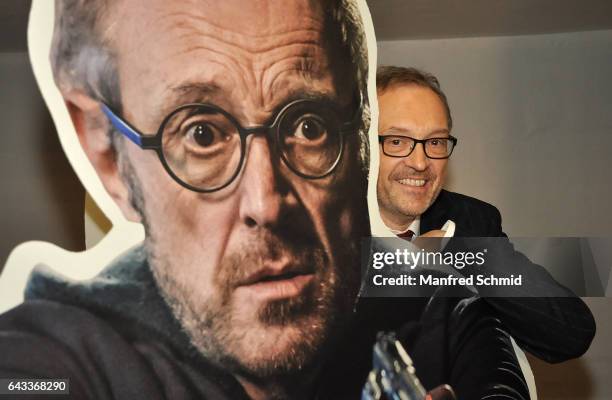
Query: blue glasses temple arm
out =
(122, 126)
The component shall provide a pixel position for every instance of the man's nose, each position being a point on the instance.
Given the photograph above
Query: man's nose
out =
(417, 159)
(265, 192)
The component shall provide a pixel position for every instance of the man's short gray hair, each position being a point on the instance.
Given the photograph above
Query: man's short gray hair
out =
(82, 55)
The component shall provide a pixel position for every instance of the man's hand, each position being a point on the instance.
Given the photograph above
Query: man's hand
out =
(434, 233)
(442, 392)
(430, 241)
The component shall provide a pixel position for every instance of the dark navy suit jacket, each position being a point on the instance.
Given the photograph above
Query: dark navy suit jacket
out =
(549, 321)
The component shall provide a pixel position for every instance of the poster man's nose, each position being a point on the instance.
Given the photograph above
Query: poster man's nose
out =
(263, 187)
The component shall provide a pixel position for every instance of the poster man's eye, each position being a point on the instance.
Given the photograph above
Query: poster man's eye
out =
(309, 128)
(202, 135)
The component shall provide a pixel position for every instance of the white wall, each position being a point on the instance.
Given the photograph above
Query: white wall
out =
(533, 115)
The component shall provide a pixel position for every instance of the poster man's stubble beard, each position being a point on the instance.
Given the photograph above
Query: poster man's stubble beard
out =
(212, 326)
(323, 307)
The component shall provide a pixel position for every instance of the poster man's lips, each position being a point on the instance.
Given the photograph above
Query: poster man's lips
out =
(271, 274)
(271, 287)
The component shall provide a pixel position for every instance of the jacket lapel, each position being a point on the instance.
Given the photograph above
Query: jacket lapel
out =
(436, 215)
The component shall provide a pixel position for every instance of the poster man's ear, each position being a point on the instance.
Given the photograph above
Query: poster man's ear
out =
(91, 126)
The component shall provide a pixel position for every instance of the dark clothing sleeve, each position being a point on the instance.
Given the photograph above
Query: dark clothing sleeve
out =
(451, 341)
(479, 361)
(552, 329)
(557, 325)
(544, 317)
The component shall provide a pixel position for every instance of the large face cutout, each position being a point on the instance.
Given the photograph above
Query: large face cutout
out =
(260, 271)
(407, 186)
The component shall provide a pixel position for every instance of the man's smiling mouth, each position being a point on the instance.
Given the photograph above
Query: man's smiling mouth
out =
(412, 182)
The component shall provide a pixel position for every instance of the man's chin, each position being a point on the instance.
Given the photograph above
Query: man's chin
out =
(417, 206)
(414, 209)
(272, 350)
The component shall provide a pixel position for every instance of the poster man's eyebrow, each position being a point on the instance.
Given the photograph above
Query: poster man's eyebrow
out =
(189, 92)
(195, 89)
(326, 99)
(211, 92)
(308, 94)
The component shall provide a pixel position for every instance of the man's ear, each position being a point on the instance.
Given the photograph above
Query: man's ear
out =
(92, 128)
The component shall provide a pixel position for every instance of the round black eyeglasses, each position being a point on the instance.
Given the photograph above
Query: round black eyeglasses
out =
(203, 147)
(436, 148)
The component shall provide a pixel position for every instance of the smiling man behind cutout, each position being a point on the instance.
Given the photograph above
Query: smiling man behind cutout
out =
(408, 185)
(415, 139)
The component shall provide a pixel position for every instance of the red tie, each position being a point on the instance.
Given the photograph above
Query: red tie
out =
(408, 235)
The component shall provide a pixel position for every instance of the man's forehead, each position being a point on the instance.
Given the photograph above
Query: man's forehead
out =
(411, 108)
(183, 25)
(220, 47)
(256, 19)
